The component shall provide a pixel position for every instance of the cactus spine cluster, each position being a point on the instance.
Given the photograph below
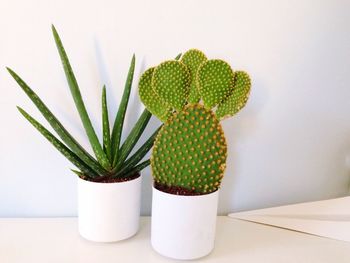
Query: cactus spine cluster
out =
(191, 96)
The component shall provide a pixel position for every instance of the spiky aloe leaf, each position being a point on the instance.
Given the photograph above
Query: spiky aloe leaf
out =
(119, 119)
(133, 137)
(150, 98)
(79, 103)
(66, 137)
(78, 173)
(138, 155)
(215, 81)
(105, 126)
(136, 169)
(178, 56)
(73, 158)
(193, 58)
(171, 81)
(239, 97)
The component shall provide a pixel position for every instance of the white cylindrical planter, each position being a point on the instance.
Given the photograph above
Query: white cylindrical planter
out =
(108, 212)
(183, 227)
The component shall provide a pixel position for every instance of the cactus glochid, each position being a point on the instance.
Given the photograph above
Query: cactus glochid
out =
(191, 96)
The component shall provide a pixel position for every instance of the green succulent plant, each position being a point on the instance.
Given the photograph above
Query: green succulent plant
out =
(112, 159)
(191, 96)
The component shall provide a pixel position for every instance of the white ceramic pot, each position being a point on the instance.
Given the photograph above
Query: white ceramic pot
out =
(183, 227)
(108, 212)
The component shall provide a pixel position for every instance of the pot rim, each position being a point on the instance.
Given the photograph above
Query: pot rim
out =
(109, 183)
(185, 196)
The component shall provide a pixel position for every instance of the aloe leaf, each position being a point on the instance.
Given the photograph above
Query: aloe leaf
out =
(105, 125)
(119, 119)
(78, 173)
(139, 154)
(178, 56)
(79, 103)
(136, 169)
(133, 137)
(66, 137)
(72, 157)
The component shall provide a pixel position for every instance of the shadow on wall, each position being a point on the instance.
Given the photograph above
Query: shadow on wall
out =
(347, 162)
(306, 161)
(238, 129)
(135, 106)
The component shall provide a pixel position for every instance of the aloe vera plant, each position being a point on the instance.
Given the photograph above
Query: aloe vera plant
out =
(112, 159)
(191, 96)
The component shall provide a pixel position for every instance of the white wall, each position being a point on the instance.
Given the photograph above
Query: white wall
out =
(289, 144)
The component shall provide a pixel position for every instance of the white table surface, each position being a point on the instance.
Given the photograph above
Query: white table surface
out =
(53, 240)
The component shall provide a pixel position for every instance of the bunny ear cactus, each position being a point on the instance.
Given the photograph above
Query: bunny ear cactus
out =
(171, 81)
(238, 97)
(150, 98)
(191, 96)
(193, 59)
(190, 151)
(215, 81)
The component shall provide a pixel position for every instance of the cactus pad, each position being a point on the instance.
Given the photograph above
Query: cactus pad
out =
(237, 100)
(190, 151)
(193, 58)
(215, 82)
(150, 99)
(171, 81)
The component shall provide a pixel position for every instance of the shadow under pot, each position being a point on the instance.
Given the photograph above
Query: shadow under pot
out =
(108, 212)
(183, 227)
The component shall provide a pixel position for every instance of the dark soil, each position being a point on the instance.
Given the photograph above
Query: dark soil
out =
(114, 180)
(175, 190)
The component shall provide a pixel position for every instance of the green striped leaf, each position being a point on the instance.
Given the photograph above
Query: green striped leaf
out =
(105, 126)
(78, 173)
(66, 137)
(178, 56)
(139, 154)
(73, 158)
(79, 103)
(119, 119)
(133, 137)
(136, 169)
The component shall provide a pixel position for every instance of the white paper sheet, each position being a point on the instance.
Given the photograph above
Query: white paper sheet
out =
(328, 218)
